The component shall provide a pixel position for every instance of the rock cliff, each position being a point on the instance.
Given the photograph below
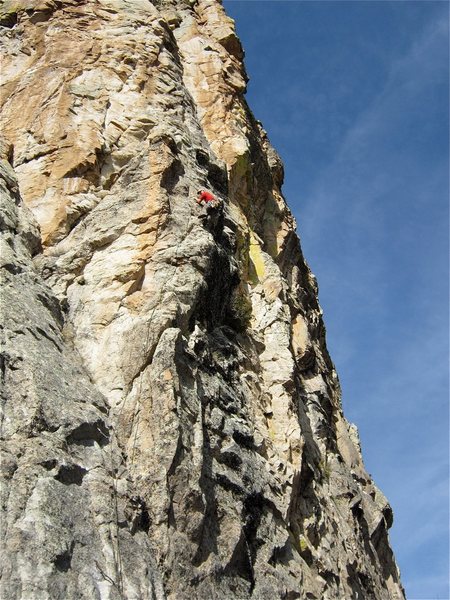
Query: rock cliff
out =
(171, 424)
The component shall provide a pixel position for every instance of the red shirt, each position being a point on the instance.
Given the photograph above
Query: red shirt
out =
(206, 196)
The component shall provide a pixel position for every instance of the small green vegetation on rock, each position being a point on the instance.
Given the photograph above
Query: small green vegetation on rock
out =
(325, 469)
(303, 544)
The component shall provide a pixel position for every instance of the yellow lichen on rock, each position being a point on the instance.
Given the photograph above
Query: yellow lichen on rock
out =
(257, 259)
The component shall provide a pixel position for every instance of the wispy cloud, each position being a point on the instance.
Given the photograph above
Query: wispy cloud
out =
(374, 227)
(350, 182)
(353, 100)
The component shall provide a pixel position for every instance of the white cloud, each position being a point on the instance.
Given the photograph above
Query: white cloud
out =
(361, 259)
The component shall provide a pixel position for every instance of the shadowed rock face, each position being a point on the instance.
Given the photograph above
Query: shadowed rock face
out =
(171, 425)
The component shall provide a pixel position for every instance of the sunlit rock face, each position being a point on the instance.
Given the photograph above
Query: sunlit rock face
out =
(172, 425)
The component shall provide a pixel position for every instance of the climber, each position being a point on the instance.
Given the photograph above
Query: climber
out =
(212, 206)
(206, 197)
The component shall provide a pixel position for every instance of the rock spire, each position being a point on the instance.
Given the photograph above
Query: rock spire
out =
(172, 425)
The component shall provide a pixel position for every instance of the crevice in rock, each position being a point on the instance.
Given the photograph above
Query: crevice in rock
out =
(244, 440)
(63, 561)
(71, 474)
(141, 518)
(240, 563)
(209, 533)
(39, 154)
(49, 465)
(220, 280)
(9, 20)
(172, 175)
(52, 305)
(88, 433)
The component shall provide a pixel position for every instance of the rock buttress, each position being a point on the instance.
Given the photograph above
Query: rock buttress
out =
(177, 430)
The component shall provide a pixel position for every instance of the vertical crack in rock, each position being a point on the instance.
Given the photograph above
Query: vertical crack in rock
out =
(171, 419)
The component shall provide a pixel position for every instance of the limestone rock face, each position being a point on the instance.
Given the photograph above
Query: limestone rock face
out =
(172, 425)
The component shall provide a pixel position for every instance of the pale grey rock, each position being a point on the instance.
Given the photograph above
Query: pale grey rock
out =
(70, 525)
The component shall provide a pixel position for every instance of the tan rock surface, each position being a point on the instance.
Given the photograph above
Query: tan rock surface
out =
(233, 471)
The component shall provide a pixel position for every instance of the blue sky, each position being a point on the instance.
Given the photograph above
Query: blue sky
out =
(354, 96)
